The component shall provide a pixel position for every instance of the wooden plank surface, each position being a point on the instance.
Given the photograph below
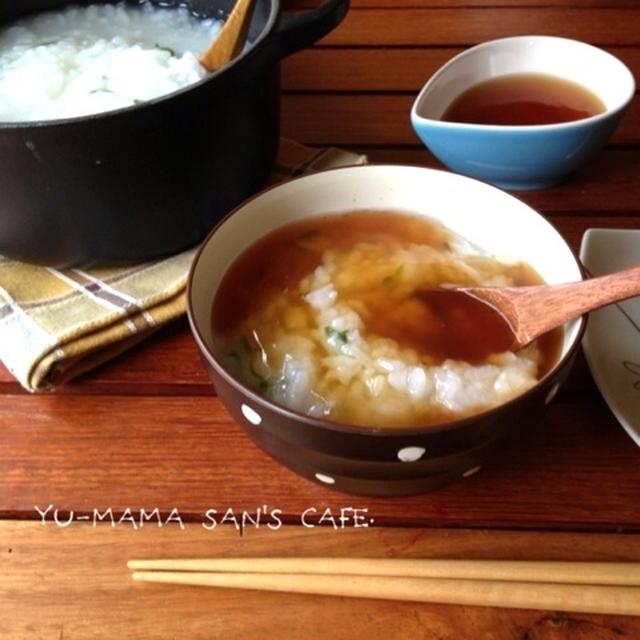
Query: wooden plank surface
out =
(147, 431)
(449, 26)
(384, 69)
(578, 470)
(71, 583)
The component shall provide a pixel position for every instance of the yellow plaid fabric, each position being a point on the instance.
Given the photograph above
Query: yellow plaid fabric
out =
(58, 323)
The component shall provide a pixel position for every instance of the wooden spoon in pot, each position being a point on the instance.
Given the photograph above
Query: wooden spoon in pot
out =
(230, 40)
(496, 319)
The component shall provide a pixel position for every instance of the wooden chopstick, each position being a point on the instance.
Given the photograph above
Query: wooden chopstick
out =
(593, 573)
(494, 593)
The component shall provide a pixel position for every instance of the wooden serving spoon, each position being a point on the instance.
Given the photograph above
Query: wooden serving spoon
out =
(229, 41)
(486, 320)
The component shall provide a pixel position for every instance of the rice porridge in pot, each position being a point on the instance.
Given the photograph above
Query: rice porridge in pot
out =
(84, 60)
(324, 317)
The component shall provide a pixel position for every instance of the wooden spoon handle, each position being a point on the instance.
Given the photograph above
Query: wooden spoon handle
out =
(230, 40)
(532, 311)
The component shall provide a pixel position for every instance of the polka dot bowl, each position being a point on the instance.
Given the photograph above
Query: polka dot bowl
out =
(367, 460)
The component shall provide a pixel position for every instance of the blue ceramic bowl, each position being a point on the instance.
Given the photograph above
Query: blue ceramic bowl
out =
(522, 157)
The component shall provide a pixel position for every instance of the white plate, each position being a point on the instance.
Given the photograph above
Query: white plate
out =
(612, 339)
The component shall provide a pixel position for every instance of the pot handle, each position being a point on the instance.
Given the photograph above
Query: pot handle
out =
(296, 30)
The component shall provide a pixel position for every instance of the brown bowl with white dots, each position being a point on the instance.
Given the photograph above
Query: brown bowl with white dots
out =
(367, 460)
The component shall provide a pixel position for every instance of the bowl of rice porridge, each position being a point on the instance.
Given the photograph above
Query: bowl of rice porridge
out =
(305, 304)
(115, 144)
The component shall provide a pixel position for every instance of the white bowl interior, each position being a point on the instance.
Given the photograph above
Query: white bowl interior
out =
(589, 66)
(489, 218)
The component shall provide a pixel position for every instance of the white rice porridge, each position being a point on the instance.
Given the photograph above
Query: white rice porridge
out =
(84, 60)
(309, 348)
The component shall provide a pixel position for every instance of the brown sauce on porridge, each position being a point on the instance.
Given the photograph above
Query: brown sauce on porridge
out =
(275, 265)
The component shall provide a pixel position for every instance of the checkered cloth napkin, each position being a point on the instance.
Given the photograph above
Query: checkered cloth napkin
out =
(58, 323)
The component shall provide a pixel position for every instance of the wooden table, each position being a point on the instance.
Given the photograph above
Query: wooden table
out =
(146, 431)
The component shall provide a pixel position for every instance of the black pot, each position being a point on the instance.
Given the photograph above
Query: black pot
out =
(149, 180)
